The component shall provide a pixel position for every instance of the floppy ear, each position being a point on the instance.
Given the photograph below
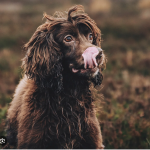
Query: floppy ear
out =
(43, 59)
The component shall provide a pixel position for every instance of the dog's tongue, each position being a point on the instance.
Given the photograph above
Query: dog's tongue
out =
(89, 56)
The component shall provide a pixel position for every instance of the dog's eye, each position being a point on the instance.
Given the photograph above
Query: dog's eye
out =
(68, 39)
(90, 36)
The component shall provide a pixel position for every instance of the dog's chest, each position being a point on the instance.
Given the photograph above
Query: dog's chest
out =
(68, 125)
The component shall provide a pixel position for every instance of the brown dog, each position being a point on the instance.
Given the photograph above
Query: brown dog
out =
(52, 105)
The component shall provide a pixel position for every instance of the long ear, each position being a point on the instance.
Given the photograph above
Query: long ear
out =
(43, 59)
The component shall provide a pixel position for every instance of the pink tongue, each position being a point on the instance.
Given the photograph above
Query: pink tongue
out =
(89, 56)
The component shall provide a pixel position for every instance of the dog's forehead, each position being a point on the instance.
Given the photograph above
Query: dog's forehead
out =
(68, 27)
(74, 29)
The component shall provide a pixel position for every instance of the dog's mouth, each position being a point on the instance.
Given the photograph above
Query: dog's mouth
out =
(90, 72)
(82, 71)
(91, 65)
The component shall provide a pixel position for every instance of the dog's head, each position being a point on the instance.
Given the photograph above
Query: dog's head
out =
(70, 44)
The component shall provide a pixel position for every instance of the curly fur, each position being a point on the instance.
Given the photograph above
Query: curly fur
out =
(53, 107)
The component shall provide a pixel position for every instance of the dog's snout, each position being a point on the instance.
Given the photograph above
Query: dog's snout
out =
(89, 56)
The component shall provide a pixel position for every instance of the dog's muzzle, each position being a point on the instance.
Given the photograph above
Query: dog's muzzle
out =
(90, 63)
(89, 56)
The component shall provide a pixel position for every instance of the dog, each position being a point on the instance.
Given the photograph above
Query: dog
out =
(52, 106)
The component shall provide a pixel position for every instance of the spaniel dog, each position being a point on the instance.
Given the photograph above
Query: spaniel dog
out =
(52, 106)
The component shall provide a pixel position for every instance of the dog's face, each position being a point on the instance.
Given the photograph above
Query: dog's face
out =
(65, 44)
(81, 55)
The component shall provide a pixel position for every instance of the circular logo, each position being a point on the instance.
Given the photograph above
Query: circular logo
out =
(3, 140)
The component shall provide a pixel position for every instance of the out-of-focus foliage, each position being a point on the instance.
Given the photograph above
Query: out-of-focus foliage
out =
(125, 25)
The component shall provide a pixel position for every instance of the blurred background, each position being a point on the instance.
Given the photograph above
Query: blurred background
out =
(125, 26)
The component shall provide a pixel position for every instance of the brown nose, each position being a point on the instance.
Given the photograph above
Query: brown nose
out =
(89, 56)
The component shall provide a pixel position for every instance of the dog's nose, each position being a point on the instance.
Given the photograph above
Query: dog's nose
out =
(89, 56)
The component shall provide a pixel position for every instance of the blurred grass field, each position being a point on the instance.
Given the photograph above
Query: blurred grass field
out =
(125, 26)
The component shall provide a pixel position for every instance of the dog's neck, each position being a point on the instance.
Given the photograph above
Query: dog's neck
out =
(75, 85)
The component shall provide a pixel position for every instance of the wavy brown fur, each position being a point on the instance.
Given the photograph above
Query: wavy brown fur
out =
(52, 107)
